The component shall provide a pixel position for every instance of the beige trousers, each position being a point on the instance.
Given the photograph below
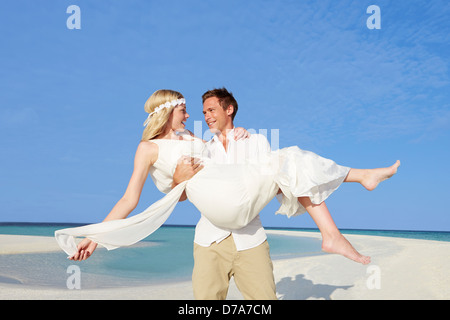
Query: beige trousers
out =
(214, 266)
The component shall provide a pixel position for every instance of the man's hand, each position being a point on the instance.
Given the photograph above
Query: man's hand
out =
(187, 167)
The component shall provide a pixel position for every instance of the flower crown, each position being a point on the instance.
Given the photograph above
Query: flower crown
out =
(168, 104)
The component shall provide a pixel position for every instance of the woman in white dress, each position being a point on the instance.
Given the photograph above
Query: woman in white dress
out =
(302, 179)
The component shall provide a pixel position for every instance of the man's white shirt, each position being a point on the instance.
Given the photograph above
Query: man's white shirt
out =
(239, 151)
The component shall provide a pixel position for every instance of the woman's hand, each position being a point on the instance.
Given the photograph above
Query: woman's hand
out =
(85, 249)
(240, 133)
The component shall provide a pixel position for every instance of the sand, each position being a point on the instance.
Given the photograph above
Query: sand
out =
(401, 269)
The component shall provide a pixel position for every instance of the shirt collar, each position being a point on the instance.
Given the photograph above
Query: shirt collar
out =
(215, 138)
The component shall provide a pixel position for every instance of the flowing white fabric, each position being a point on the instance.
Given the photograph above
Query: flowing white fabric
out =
(124, 232)
(230, 196)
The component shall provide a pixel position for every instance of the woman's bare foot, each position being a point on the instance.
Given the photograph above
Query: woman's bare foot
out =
(340, 245)
(373, 177)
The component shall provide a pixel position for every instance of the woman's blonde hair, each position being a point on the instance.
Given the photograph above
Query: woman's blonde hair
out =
(159, 119)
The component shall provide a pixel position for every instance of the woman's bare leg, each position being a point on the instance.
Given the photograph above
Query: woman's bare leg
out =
(370, 178)
(332, 239)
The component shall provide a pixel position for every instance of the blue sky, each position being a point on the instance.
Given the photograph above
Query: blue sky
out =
(71, 101)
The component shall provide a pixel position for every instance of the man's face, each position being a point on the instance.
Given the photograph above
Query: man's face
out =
(216, 118)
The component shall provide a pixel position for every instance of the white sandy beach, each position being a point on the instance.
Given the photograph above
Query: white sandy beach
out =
(400, 269)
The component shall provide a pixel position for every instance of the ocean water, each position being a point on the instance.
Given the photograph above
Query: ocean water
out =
(164, 256)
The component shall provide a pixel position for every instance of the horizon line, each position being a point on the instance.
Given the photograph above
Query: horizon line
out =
(192, 226)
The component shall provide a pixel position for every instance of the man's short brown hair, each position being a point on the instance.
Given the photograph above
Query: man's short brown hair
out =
(225, 99)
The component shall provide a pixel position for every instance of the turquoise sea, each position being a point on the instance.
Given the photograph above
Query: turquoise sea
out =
(164, 256)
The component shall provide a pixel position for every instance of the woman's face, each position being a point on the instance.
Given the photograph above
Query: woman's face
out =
(179, 117)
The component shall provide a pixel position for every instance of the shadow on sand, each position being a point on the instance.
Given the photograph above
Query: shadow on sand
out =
(302, 289)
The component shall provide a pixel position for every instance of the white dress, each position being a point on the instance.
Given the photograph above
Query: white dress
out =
(228, 195)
